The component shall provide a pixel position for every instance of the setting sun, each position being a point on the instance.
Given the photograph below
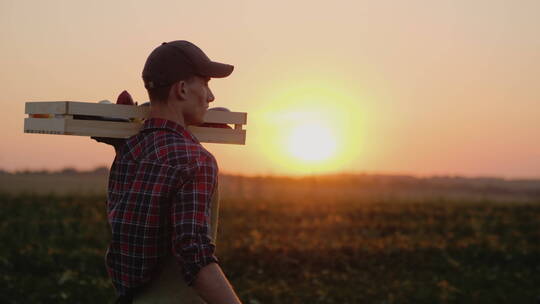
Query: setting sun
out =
(314, 126)
(312, 142)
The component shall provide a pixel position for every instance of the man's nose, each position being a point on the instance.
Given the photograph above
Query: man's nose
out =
(210, 96)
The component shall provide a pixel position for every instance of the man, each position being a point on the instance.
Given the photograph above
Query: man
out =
(160, 188)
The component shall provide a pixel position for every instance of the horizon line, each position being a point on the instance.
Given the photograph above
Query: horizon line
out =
(274, 175)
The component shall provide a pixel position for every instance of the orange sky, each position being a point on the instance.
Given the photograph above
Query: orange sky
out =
(409, 87)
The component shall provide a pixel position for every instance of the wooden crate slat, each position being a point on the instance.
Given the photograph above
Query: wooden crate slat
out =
(107, 110)
(45, 125)
(120, 111)
(86, 108)
(219, 136)
(68, 126)
(46, 107)
(225, 117)
(102, 128)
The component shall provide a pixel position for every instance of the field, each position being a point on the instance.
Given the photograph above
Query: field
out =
(283, 240)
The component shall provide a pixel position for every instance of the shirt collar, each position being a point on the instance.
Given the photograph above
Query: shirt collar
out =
(160, 123)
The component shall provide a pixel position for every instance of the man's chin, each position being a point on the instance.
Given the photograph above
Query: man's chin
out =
(197, 122)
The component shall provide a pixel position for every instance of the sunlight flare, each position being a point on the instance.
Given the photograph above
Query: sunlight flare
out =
(312, 142)
(310, 126)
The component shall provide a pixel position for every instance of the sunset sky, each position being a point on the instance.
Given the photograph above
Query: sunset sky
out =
(392, 87)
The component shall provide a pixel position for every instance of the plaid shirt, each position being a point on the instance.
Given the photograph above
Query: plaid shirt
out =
(158, 203)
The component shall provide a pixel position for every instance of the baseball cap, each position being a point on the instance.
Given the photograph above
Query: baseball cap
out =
(179, 59)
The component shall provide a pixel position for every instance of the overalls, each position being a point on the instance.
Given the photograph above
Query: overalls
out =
(169, 287)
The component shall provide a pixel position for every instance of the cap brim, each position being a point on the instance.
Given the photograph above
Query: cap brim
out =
(217, 69)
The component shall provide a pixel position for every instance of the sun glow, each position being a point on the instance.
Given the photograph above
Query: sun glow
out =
(312, 142)
(309, 126)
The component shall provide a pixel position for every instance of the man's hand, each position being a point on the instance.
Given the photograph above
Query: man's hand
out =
(125, 99)
(115, 142)
(213, 286)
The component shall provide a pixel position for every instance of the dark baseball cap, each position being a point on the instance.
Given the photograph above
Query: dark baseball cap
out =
(177, 60)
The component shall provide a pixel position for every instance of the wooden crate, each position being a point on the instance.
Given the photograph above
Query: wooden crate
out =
(120, 121)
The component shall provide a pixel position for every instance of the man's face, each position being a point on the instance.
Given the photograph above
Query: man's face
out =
(198, 96)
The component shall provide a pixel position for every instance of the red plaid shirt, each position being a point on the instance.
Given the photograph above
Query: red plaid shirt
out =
(158, 203)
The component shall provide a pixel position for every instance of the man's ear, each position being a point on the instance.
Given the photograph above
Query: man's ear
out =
(180, 89)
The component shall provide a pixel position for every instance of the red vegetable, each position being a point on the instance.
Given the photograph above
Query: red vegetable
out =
(125, 99)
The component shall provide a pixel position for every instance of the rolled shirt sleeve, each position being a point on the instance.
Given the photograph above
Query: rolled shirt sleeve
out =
(192, 244)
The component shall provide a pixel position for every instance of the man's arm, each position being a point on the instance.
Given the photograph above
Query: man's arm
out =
(213, 286)
(192, 242)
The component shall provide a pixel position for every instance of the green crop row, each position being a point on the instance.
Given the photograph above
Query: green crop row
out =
(294, 251)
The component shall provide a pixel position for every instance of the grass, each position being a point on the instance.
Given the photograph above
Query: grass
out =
(294, 250)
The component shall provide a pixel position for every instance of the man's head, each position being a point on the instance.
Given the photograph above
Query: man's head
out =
(176, 75)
